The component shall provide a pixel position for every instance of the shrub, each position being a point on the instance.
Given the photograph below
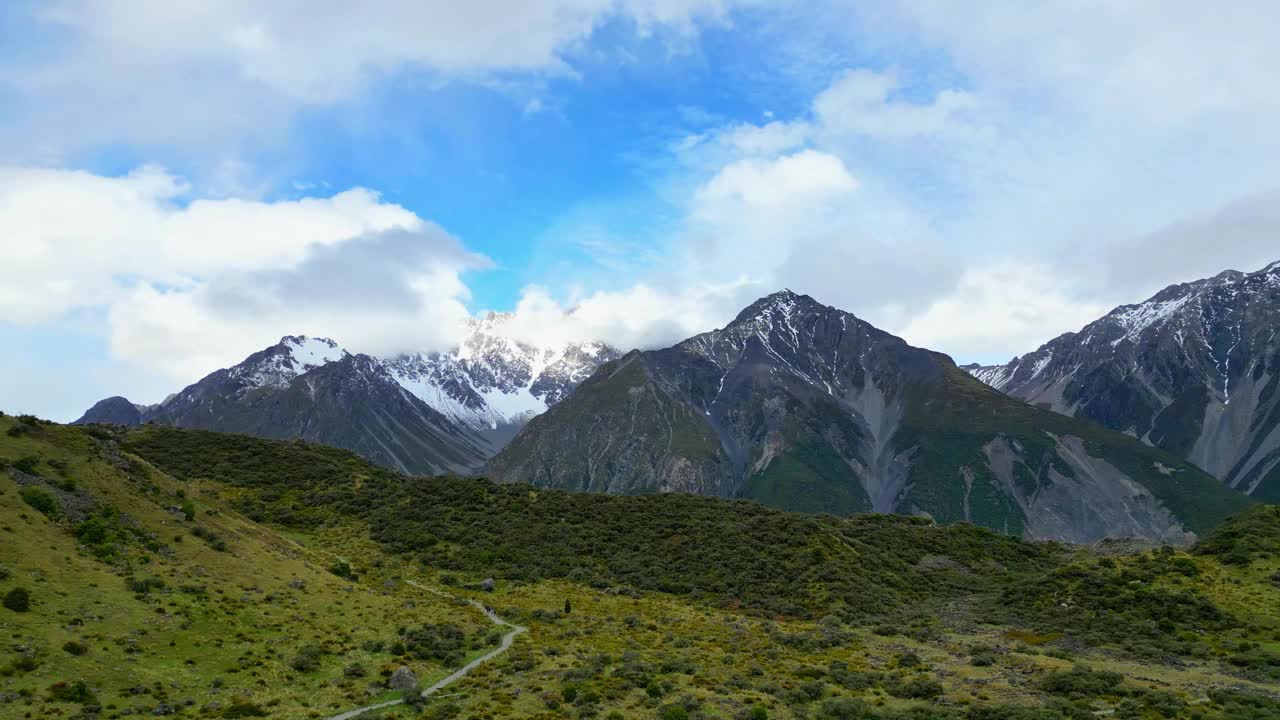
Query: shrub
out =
(210, 538)
(243, 709)
(142, 586)
(442, 642)
(75, 692)
(75, 647)
(41, 500)
(343, 570)
(18, 600)
(915, 689)
(27, 464)
(983, 657)
(1082, 681)
(843, 708)
(673, 712)
(355, 670)
(307, 659)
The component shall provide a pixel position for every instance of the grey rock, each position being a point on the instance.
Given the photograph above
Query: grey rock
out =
(402, 679)
(487, 584)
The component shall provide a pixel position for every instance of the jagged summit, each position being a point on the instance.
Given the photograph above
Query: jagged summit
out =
(421, 413)
(1194, 369)
(782, 304)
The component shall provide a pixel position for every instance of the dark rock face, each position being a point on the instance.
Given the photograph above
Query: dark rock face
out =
(420, 414)
(806, 407)
(112, 411)
(1194, 370)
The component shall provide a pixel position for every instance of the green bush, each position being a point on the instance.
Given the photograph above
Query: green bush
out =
(915, 689)
(41, 500)
(18, 600)
(74, 692)
(673, 712)
(75, 647)
(28, 464)
(210, 538)
(243, 709)
(443, 642)
(307, 659)
(1083, 682)
(143, 586)
(844, 708)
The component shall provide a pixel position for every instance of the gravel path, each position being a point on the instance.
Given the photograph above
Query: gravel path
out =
(461, 672)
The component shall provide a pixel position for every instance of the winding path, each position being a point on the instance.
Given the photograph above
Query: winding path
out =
(461, 672)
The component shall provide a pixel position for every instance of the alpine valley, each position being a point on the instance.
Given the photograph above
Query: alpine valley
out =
(1194, 370)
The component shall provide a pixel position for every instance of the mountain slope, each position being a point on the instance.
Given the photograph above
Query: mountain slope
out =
(149, 594)
(163, 601)
(421, 414)
(806, 407)
(1194, 370)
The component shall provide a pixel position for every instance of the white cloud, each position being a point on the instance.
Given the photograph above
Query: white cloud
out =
(1161, 63)
(209, 72)
(640, 316)
(193, 285)
(860, 102)
(799, 181)
(998, 306)
(1242, 235)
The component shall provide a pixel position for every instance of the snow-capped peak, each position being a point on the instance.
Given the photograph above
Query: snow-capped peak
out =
(493, 379)
(312, 352)
(278, 365)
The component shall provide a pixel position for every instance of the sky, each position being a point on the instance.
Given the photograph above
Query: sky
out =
(182, 183)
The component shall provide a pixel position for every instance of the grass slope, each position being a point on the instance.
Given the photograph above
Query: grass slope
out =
(207, 617)
(636, 607)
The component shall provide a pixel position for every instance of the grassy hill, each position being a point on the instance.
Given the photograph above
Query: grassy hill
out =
(194, 573)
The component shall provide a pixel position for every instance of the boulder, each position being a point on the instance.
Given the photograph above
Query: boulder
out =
(487, 584)
(402, 679)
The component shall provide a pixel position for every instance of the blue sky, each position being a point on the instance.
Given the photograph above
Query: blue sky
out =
(183, 183)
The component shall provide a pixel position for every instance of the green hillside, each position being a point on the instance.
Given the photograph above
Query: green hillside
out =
(198, 574)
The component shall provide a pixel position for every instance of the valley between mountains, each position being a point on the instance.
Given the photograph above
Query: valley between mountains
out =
(796, 515)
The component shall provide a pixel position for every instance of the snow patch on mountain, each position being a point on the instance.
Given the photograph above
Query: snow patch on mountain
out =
(1137, 318)
(312, 352)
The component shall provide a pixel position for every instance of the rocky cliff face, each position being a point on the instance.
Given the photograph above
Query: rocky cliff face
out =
(806, 407)
(1194, 370)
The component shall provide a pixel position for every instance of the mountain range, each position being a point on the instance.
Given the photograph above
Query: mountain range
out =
(1194, 370)
(425, 413)
(806, 407)
(803, 406)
